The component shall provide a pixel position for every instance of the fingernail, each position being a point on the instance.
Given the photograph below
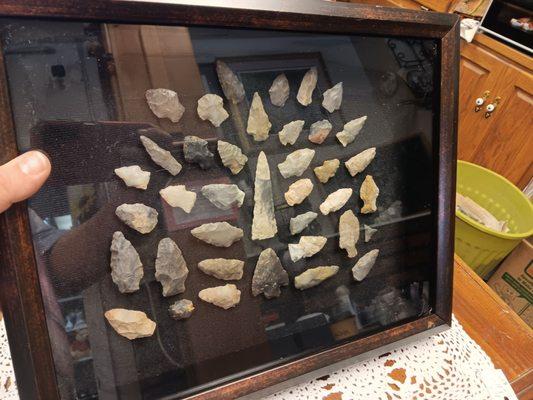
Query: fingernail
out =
(33, 163)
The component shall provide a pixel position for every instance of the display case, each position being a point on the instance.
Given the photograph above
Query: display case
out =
(240, 195)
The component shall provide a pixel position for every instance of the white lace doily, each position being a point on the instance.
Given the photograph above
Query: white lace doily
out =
(446, 366)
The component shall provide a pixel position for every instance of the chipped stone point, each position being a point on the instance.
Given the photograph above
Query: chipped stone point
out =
(134, 176)
(369, 193)
(335, 201)
(181, 309)
(290, 132)
(319, 131)
(195, 150)
(211, 108)
(307, 246)
(258, 123)
(220, 234)
(170, 268)
(269, 275)
(333, 98)
(351, 130)
(298, 191)
(296, 163)
(307, 86)
(302, 221)
(138, 216)
(349, 232)
(222, 268)
(160, 156)
(231, 156)
(363, 266)
(279, 91)
(165, 103)
(264, 221)
(225, 297)
(126, 267)
(314, 276)
(360, 161)
(179, 196)
(223, 196)
(130, 323)
(231, 85)
(327, 170)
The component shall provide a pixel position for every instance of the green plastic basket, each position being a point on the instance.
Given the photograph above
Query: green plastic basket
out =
(480, 247)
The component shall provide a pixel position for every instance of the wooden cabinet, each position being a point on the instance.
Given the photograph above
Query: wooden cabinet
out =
(502, 142)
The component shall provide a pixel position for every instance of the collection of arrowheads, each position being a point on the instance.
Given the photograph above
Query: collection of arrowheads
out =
(269, 275)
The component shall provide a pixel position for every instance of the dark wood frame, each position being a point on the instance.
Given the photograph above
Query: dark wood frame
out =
(20, 294)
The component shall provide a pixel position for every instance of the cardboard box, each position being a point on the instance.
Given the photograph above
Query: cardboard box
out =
(513, 281)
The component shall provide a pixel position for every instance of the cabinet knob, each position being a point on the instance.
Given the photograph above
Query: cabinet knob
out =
(491, 107)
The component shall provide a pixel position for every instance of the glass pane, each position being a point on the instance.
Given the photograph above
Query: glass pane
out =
(78, 92)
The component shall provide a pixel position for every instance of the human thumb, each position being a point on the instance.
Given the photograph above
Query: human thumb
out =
(22, 177)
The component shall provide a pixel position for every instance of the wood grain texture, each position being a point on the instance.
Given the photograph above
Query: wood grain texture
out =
(500, 332)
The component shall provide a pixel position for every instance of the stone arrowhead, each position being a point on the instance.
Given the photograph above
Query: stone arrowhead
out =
(327, 170)
(298, 191)
(161, 157)
(126, 267)
(181, 309)
(220, 234)
(369, 193)
(211, 107)
(225, 297)
(130, 323)
(196, 151)
(308, 85)
(314, 276)
(363, 266)
(360, 161)
(369, 232)
(137, 216)
(279, 91)
(302, 221)
(335, 201)
(223, 196)
(165, 103)
(333, 98)
(319, 131)
(290, 132)
(348, 232)
(231, 156)
(350, 131)
(296, 163)
(264, 221)
(231, 85)
(134, 176)
(179, 196)
(258, 123)
(170, 268)
(307, 246)
(269, 275)
(222, 268)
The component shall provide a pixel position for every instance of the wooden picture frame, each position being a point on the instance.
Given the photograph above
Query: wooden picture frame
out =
(20, 293)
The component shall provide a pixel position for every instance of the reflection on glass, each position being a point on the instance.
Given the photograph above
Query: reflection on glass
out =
(77, 92)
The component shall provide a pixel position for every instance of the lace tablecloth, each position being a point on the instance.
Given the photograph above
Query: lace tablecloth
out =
(446, 366)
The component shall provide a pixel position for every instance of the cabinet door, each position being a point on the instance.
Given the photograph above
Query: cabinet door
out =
(508, 145)
(480, 70)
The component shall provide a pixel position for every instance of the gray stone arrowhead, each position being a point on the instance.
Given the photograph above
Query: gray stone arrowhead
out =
(181, 309)
(196, 151)
(269, 275)
(126, 267)
(170, 268)
(231, 85)
(223, 196)
(279, 91)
